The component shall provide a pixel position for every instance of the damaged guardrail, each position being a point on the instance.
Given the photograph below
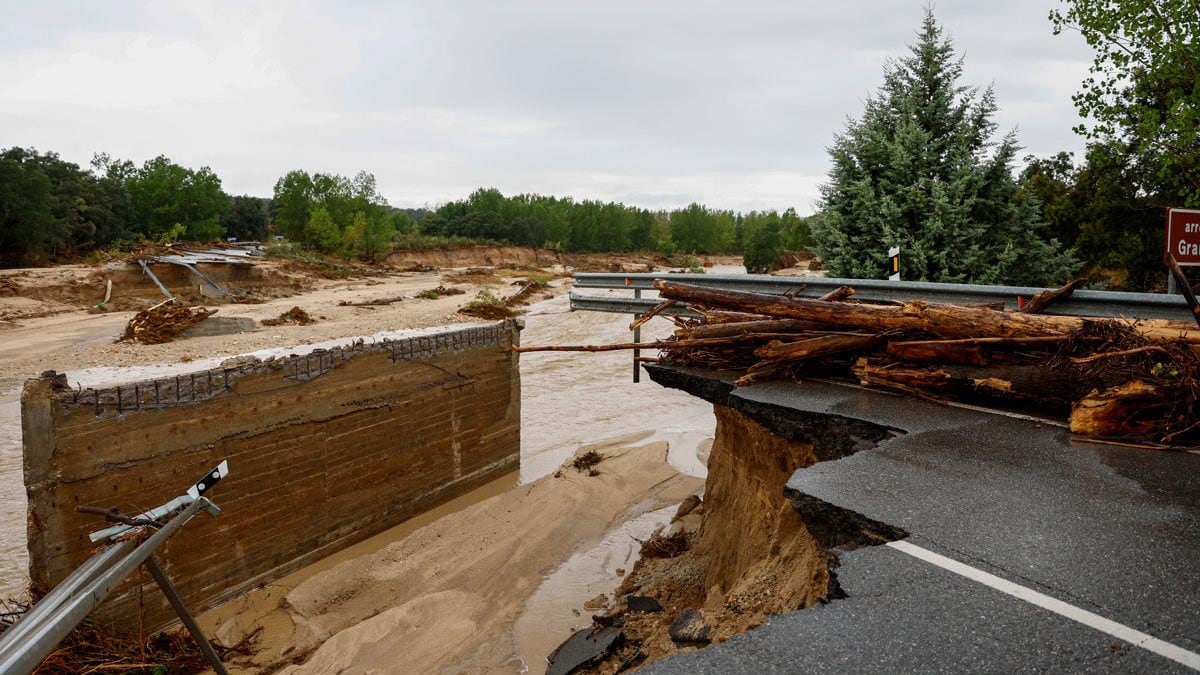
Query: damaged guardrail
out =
(1080, 303)
(27, 642)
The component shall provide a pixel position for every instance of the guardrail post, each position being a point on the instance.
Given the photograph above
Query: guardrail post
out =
(637, 337)
(168, 589)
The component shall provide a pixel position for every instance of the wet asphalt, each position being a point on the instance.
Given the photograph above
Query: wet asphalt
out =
(1108, 529)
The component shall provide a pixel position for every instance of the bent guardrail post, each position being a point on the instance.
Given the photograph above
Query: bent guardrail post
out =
(24, 645)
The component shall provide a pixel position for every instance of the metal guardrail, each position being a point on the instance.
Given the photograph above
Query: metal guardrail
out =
(31, 639)
(1081, 303)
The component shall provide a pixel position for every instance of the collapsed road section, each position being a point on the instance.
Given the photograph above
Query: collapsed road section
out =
(331, 447)
(1025, 549)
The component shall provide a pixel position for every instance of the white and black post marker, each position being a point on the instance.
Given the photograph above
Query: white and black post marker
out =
(894, 263)
(205, 484)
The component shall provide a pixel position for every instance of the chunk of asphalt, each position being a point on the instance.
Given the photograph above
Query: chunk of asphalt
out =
(689, 626)
(585, 647)
(642, 603)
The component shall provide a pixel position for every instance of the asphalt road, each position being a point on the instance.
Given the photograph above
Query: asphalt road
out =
(1107, 536)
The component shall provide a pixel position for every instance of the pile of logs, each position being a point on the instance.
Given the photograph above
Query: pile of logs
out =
(162, 322)
(1112, 378)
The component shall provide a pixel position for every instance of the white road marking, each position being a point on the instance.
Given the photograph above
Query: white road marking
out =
(1090, 619)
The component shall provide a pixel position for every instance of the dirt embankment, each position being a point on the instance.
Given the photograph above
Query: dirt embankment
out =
(752, 551)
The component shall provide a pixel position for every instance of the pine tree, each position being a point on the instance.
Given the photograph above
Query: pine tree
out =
(920, 171)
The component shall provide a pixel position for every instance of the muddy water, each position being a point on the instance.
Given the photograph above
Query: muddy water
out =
(569, 399)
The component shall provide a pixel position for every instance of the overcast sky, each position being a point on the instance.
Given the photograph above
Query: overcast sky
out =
(659, 104)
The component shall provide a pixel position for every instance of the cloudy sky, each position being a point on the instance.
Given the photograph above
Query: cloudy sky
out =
(651, 103)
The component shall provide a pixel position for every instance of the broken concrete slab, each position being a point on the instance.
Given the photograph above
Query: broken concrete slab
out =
(585, 647)
(219, 325)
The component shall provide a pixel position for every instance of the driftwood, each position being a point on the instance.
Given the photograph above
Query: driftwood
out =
(838, 294)
(1183, 284)
(1124, 410)
(946, 321)
(1136, 381)
(744, 327)
(1038, 303)
(650, 315)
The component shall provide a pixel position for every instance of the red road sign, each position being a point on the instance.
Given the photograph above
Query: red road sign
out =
(1183, 235)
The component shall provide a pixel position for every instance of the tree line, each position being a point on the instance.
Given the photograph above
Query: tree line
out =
(569, 225)
(51, 208)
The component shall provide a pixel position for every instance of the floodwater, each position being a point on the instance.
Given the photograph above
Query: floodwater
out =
(568, 400)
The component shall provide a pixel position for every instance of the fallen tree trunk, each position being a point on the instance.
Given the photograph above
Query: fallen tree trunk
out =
(745, 327)
(1124, 410)
(1026, 384)
(946, 321)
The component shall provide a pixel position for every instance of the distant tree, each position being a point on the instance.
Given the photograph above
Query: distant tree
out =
(291, 204)
(1049, 181)
(763, 241)
(796, 232)
(28, 228)
(1100, 208)
(920, 171)
(320, 232)
(367, 238)
(246, 218)
(49, 206)
(165, 194)
(1144, 87)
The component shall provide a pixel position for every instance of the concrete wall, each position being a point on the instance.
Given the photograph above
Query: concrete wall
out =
(324, 450)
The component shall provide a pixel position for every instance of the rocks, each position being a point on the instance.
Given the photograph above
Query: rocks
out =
(689, 626)
(691, 503)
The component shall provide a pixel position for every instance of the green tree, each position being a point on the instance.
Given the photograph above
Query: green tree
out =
(291, 204)
(165, 194)
(321, 232)
(246, 218)
(796, 231)
(28, 228)
(370, 239)
(1099, 208)
(1144, 86)
(920, 171)
(763, 241)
